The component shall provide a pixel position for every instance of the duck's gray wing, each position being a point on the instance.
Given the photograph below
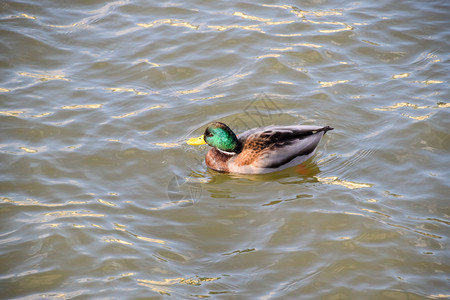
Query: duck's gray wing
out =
(283, 145)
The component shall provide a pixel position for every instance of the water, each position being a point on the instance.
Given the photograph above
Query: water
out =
(101, 198)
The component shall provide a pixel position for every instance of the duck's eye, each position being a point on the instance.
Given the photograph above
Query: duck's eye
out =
(209, 134)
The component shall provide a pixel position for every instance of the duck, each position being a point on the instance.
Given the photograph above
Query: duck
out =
(259, 150)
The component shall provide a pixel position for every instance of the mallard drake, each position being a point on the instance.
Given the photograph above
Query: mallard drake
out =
(259, 150)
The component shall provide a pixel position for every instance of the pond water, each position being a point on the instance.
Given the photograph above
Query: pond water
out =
(100, 197)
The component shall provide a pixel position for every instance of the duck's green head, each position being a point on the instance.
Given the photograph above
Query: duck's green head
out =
(217, 135)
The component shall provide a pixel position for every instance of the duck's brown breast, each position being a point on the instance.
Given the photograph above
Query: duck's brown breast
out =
(218, 160)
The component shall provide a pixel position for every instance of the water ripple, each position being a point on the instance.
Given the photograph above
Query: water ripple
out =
(98, 187)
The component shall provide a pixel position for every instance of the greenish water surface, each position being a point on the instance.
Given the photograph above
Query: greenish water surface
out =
(100, 197)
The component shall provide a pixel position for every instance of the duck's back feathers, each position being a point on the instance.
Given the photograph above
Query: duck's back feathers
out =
(275, 147)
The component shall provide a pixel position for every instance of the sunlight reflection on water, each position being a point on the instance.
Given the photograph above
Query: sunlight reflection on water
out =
(101, 197)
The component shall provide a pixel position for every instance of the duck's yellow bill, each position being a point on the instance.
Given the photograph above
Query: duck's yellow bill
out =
(196, 141)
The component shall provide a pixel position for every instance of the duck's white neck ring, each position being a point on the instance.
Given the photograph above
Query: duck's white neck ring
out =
(226, 152)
